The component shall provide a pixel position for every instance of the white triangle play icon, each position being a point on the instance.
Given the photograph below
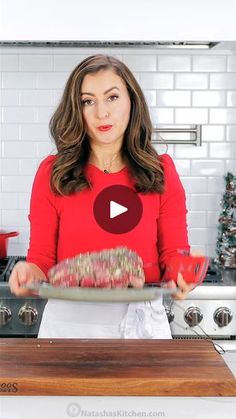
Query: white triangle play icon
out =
(116, 209)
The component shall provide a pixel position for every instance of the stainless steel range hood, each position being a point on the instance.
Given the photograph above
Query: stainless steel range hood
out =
(114, 44)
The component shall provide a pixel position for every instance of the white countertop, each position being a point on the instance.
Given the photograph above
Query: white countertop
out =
(230, 353)
(59, 407)
(230, 360)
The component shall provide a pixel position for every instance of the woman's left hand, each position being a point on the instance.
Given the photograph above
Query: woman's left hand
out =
(183, 287)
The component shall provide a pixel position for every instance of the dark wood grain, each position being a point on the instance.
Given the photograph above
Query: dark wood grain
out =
(113, 368)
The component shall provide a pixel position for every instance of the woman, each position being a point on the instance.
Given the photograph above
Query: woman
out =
(102, 132)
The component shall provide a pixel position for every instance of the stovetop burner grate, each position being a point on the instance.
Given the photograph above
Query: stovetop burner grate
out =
(6, 266)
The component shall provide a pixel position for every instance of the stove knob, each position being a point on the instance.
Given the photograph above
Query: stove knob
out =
(28, 315)
(193, 316)
(223, 316)
(170, 315)
(5, 315)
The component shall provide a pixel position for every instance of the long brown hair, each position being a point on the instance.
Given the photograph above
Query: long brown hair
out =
(68, 130)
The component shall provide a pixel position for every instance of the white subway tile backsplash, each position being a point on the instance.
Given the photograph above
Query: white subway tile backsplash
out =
(209, 98)
(150, 96)
(191, 151)
(173, 98)
(24, 235)
(212, 218)
(68, 62)
(181, 88)
(213, 133)
(140, 62)
(52, 80)
(34, 132)
(17, 216)
(210, 250)
(215, 184)
(156, 81)
(18, 115)
(9, 132)
(231, 63)
(194, 184)
(202, 235)
(162, 115)
(9, 201)
(231, 133)
(28, 166)
(9, 97)
(230, 166)
(212, 236)
(174, 63)
(207, 167)
(39, 63)
(183, 167)
(44, 114)
(223, 81)
(10, 166)
(231, 99)
(191, 81)
(9, 62)
(197, 236)
(199, 249)
(17, 149)
(36, 97)
(223, 116)
(57, 95)
(209, 63)
(196, 219)
(45, 148)
(188, 198)
(12, 184)
(24, 200)
(16, 80)
(205, 202)
(137, 76)
(191, 116)
(223, 150)
(163, 148)
(17, 249)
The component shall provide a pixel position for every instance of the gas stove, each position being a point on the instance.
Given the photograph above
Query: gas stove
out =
(19, 317)
(209, 311)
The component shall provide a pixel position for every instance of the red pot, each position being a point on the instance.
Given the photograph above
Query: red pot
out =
(3, 242)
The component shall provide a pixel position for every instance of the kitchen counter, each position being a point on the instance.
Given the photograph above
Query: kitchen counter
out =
(83, 367)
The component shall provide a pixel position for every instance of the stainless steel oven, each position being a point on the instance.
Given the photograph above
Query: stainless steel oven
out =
(19, 317)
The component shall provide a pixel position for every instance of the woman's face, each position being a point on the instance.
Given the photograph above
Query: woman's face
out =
(106, 107)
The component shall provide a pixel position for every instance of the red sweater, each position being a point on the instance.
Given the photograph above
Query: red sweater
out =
(63, 226)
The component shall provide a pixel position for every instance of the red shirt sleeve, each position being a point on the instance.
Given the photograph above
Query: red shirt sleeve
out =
(172, 225)
(43, 219)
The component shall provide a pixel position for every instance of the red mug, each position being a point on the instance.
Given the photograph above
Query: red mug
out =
(3, 242)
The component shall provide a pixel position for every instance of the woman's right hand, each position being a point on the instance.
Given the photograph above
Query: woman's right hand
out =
(22, 274)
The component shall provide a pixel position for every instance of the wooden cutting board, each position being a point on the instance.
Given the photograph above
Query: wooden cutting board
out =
(101, 367)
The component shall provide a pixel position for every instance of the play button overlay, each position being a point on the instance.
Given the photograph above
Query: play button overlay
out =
(117, 209)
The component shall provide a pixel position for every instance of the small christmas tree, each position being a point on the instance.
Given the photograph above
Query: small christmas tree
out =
(226, 241)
